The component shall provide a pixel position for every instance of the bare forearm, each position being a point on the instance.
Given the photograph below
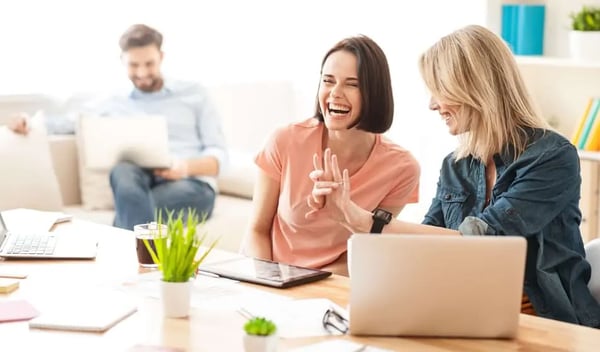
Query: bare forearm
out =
(204, 166)
(362, 221)
(258, 245)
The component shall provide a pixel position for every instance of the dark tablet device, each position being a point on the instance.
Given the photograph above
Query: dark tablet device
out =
(264, 272)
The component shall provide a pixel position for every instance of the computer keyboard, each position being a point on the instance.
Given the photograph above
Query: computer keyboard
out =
(32, 244)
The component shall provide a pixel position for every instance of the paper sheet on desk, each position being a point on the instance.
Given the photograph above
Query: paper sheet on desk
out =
(208, 292)
(338, 346)
(297, 318)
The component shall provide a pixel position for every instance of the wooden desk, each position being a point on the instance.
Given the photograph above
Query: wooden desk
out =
(207, 330)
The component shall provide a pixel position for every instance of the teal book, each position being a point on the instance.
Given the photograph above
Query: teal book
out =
(585, 133)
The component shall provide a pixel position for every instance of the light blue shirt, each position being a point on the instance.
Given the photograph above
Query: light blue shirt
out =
(193, 122)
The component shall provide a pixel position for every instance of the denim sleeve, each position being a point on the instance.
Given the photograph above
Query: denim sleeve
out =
(434, 215)
(208, 125)
(536, 196)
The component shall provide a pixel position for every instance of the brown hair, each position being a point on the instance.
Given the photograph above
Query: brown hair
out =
(140, 35)
(374, 82)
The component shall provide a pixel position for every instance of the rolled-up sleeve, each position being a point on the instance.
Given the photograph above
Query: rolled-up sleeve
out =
(474, 226)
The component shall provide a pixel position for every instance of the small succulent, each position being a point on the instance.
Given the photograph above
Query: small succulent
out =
(587, 19)
(259, 326)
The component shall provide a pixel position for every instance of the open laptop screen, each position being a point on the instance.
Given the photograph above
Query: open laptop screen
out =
(3, 231)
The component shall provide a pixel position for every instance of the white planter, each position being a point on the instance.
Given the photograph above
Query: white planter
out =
(585, 45)
(176, 298)
(255, 343)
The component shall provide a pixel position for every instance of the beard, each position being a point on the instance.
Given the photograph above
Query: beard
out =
(148, 84)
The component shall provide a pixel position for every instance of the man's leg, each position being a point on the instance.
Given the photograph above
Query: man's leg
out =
(131, 186)
(183, 194)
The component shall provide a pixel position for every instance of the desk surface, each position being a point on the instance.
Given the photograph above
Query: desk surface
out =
(211, 330)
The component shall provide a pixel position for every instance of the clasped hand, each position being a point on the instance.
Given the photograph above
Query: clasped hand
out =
(331, 188)
(177, 171)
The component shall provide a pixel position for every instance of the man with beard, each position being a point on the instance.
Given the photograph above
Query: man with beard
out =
(196, 140)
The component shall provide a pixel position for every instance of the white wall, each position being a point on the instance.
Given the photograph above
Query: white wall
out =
(60, 47)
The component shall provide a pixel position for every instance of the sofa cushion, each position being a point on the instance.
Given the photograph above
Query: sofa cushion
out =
(239, 177)
(27, 179)
(96, 193)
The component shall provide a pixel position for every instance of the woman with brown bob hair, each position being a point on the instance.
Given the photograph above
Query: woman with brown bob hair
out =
(354, 107)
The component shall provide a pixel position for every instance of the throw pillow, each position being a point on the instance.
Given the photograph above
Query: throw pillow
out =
(28, 179)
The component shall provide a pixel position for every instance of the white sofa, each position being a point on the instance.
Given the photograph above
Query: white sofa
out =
(250, 112)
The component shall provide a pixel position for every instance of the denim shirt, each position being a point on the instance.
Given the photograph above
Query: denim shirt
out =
(535, 196)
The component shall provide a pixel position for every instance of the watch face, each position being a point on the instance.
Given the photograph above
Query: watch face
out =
(383, 215)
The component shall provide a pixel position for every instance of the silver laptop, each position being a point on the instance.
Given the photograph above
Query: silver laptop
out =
(431, 285)
(45, 245)
(107, 140)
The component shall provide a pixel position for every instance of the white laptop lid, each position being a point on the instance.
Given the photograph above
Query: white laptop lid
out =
(141, 139)
(432, 285)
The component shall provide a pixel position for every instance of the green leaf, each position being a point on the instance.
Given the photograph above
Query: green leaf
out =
(587, 19)
(260, 326)
(177, 249)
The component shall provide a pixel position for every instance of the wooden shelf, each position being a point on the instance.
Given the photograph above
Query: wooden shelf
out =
(589, 155)
(558, 62)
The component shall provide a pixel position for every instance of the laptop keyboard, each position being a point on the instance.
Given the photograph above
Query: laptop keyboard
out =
(32, 244)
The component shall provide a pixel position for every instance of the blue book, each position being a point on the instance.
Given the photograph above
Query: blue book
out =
(523, 28)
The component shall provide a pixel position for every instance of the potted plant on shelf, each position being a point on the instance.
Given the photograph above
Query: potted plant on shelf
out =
(260, 335)
(178, 254)
(584, 37)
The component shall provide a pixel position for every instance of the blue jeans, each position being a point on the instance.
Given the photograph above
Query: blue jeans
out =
(137, 193)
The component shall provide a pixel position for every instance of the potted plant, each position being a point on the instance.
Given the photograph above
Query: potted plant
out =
(260, 335)
(178, 256)
(584, 37)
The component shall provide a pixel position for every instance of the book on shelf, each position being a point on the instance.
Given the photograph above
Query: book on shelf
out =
(581, 122)
(587, 132)
(593, 140)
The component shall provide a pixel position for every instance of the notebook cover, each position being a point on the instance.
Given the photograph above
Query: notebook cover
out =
(92, 317)
(16, 310)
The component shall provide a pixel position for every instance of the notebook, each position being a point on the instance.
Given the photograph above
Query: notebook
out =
(107, 140)
(433, 285)
(16, 310)
(95, 313)
(45, 245)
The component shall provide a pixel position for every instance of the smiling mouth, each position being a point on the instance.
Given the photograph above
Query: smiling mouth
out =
(336, 109)
(446, 117)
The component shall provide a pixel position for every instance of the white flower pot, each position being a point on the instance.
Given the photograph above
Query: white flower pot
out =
(585, 45)
(255, 343)
(176, 298)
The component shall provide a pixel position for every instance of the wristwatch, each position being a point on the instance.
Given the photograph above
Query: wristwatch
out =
(381, 218)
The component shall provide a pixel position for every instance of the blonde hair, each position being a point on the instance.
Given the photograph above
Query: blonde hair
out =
(474, 69)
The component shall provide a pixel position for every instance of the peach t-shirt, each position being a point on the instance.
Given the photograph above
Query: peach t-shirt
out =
(389, 178)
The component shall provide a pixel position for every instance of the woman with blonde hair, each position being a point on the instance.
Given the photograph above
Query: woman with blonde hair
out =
(511, 175)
